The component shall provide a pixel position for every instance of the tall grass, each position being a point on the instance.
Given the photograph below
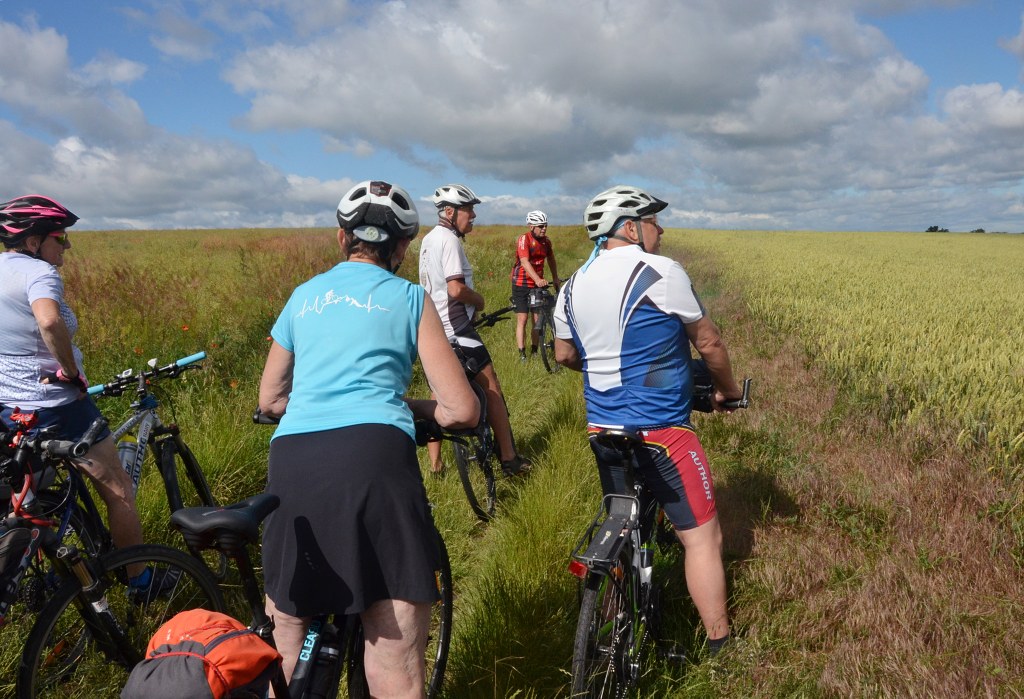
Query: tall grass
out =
(853, 550)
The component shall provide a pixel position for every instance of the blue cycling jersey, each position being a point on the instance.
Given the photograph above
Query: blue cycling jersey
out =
(626, 315)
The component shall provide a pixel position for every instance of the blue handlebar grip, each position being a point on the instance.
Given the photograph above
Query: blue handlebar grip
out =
(93, 390)
(191, 358)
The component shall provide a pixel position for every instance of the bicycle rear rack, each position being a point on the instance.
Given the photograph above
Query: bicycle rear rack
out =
(605, 537)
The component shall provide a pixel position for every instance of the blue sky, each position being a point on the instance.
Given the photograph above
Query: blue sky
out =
(764, 114)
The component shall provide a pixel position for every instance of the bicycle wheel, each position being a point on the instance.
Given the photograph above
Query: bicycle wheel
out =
(39, 582)
(599, 661)
(477, 478)
(179, 467)
(56, 662)
(439, 638)
(546, 333)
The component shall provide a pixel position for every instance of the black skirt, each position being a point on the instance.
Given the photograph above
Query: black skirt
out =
(354, 525)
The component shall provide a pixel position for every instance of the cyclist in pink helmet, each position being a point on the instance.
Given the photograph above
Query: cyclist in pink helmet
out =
(40, 366)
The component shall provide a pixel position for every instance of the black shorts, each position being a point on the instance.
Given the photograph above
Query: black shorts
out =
(470, 349)
(354, 525)
(521, 298)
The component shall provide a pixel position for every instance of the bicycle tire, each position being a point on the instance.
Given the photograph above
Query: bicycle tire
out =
(546, 336)
(477, 477)
(55, 662)
(177, 460)
(602, 635)
(439, 638)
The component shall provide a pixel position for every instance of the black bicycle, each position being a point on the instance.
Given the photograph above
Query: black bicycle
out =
(620, 601)
(475, 452)
(542, 303)
(98, 610)
(144, 428)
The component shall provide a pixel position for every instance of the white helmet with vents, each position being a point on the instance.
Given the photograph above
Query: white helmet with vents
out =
(454, 195)
(536, 218)
(621, 201)
(375, 211)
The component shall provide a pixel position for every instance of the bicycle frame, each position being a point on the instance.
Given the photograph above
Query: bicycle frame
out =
(145, 421)
(47, 534)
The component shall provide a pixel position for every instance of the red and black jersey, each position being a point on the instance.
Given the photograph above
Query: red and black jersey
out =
(536, 250)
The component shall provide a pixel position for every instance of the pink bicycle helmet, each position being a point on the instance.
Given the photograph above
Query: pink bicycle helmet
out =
(30, 215)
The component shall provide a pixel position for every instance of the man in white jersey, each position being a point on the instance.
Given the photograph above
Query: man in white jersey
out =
(447, 276)
(627, 319)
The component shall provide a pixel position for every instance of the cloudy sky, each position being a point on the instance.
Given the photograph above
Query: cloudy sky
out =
(766, 114)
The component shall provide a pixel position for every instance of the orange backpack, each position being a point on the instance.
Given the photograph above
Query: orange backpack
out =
(203, 654)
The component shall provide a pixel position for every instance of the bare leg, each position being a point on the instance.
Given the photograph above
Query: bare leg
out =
(521, 330)
(103, 467)
(705, 575)
(534, 334)
(289, 633)
(497, 413)
(396, 640)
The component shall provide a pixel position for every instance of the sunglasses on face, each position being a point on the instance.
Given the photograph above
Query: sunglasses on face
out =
(61, 238)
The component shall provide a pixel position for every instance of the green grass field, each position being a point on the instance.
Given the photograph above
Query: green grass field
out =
(859, 520)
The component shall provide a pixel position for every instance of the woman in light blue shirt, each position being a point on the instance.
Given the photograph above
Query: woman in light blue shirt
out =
(353, 533)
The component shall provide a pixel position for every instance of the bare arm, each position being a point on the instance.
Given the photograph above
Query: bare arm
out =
(705, 336)
(524, 262)
(455, 404)
(567, 355)
(55, 334)
(458, 290)
(276, 384)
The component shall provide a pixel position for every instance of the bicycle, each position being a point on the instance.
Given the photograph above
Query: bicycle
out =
(475, 452)
(171, 455)
(95, 624)
(542, 302)
(330, 643)
(174, 460)
(620, 605)
(50, 493)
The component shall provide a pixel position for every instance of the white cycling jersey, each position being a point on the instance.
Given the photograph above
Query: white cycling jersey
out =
(442, 259)
(626, 316)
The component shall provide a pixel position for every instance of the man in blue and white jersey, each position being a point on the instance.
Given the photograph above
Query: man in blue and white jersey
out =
(627, 319)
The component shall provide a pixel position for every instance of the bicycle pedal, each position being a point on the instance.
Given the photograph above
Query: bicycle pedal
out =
(672, 653)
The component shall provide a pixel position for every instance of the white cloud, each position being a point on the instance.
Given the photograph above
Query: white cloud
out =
(747, 113)
(1016, 44)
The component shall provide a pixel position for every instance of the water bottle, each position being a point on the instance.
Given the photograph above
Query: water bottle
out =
(126, 450)
(326, 671)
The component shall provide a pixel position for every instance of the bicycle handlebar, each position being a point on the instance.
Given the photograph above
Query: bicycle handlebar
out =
(486, 320)
(56, 448)
(128, 378)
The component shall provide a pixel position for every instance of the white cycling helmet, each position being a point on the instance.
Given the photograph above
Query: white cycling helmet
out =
(454, 195)
(536, 218)
(621, 201)
(375, 210)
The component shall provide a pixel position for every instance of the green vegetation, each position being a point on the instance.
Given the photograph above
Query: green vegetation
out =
(857, 532)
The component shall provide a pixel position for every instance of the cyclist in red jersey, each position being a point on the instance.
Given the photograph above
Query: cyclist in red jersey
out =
(532, 248)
